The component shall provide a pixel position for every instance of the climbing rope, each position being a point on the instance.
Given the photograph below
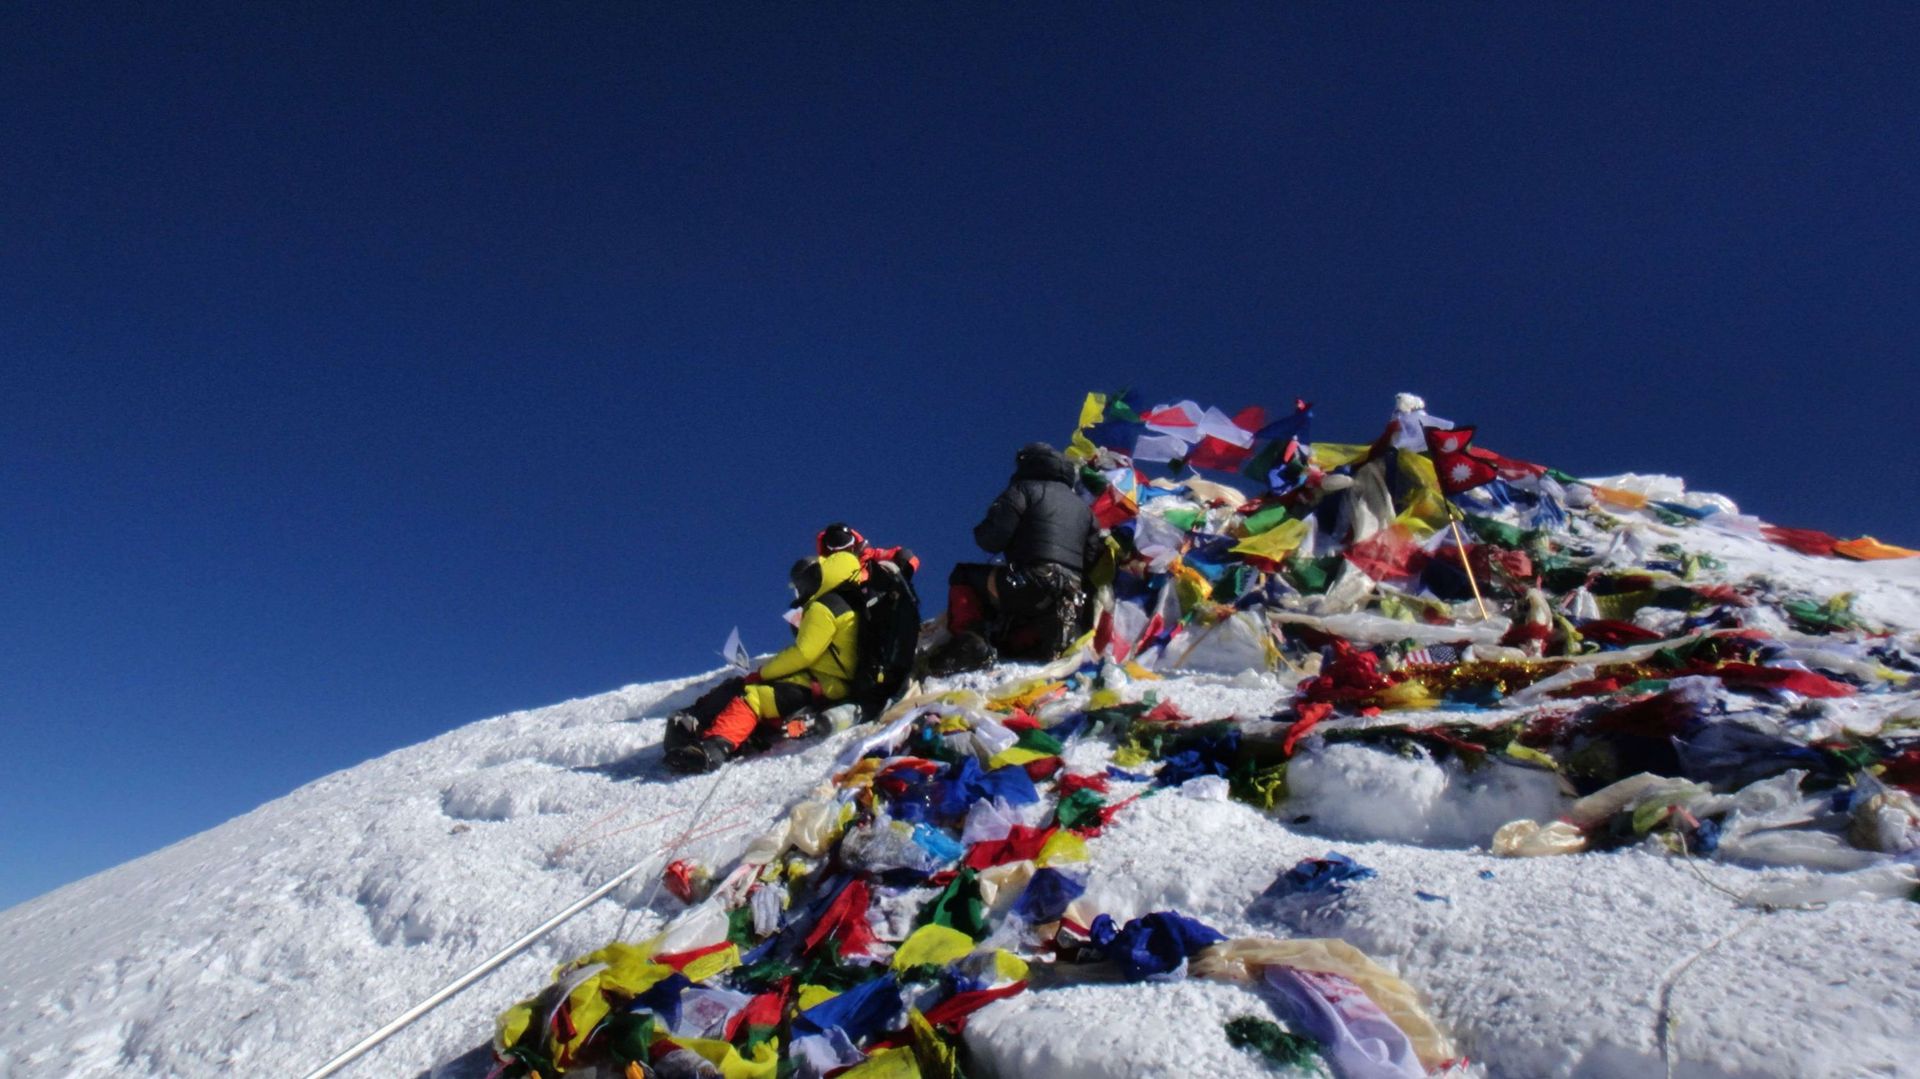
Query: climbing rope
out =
(1665, 1019)
(673, 849)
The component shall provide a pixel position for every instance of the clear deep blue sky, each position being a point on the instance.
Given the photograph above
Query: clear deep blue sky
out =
(367, 373)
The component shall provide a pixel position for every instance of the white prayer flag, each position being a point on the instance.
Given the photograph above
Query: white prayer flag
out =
(736, 653)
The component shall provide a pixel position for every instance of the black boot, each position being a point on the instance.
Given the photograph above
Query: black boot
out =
(692, 758)
(967, 652)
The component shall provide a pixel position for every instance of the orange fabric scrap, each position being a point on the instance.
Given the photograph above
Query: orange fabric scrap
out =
(1868, 549)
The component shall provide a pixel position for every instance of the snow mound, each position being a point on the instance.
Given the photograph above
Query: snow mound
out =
(1352, 791)
(1023, 1037)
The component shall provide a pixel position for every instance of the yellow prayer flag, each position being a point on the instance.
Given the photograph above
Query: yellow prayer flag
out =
(1016, 755)
(1009, 967)
(895, 1063)
(1335, 454)
(932, 946)
(1424, 504)
(1620, 499)
(935, 1054)
(1062, 846)
(1276, 543)
(811, 994)
(765, 1063)
(709, 965)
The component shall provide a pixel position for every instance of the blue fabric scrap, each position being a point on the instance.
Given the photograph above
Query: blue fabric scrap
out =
(1211, 755)
(938, 843)
(662, 998)
(1047, 896)
(865, 1010)
(969, 784)
(1152, 945)
(1311, 876)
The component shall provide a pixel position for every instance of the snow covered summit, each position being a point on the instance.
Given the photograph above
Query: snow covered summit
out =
(265, 945)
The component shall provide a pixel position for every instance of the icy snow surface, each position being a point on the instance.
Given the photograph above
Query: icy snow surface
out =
(264, 946)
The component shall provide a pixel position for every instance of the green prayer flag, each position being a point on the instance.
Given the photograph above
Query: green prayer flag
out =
(1040, 742)
(1256, 523)
(630, 1036)
(1496, 532)
(740, 927)
(959, 906)
(1313, 575)
(1079, 808)
(1184, 520)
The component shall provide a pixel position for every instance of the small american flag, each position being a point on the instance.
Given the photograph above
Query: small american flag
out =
(1434, 655)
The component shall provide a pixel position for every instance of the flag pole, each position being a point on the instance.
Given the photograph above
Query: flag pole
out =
(1460, 544)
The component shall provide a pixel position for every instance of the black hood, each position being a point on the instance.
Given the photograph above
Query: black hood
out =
(1039, 461)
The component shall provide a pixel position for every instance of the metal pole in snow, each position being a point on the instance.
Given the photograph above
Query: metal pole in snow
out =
(1460, 544)
(494, 962)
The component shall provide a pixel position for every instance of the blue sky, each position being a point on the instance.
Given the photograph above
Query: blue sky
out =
(364, 373)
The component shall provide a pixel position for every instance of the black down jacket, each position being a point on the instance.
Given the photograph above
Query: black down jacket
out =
(1039, 518)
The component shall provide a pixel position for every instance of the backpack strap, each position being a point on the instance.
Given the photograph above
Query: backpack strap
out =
(843, 600)
(839, 601)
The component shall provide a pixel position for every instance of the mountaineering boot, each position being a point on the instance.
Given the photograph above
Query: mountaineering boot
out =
(968, 651)
(696, 757)
(683, 729)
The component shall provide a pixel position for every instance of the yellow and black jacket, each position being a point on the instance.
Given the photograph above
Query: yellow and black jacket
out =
(826, 647)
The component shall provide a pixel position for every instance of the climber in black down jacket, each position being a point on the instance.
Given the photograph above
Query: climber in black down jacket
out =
(1033, 605)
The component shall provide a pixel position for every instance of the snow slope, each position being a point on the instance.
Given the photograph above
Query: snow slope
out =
(265, 945)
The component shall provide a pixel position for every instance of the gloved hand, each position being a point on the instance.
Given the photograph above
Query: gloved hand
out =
(752, 678)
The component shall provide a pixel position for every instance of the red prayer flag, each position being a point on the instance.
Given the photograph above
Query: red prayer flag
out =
(1311, 713)
(1805, 683)
(1218, 454)
(1021, 844)
(679, 960)
(764, 1010)
(679, 879)
(1169, 416)
(1388, 553)
(953, 1011)
(1458, 469)
(1804, 540)
(845, 921)
(1092, 782)
(1111, 509)
(1038, 770)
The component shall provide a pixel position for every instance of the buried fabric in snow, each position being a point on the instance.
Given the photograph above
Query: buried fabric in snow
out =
(1311, 876)
(1207, 755)
(1733, 754)
(1280, 1047)
(1358, 1038)
(1242, 961)
(1152, 946)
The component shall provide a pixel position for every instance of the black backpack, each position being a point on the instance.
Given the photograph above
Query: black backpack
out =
(888, 610)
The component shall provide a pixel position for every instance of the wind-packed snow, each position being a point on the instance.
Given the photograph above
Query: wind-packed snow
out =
(264, 946)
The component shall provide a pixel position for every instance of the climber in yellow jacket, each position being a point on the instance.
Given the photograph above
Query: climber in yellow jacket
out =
(816, 670)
